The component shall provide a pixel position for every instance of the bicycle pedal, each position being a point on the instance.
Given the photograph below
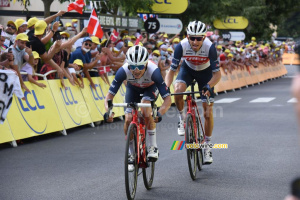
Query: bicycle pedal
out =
(131, 162)
(207, 163)
(152, 159)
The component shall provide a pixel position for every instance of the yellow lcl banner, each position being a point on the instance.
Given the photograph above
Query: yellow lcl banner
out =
(168, 6)
(231, 23)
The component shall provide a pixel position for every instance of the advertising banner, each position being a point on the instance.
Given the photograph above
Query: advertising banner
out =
(170, 26)
(36, 115)
(231, 22)
(168, 6)
(5, 133)
(71, 104)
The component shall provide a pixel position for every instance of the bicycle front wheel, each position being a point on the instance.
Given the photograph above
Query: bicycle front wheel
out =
(148, 173)
(200, 137)
(191, 152)
(131, 165)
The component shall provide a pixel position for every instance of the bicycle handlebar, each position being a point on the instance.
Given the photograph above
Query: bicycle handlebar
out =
(189, 93)
(185, 93)
(142, 105)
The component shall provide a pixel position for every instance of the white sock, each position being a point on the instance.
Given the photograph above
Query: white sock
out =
(131, 147)
(181, 115)
(207, 139)
(152, 137)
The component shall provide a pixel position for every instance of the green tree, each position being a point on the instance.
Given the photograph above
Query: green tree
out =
(260, 13)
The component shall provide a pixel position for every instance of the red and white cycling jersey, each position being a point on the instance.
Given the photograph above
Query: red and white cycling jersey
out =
(196, 60)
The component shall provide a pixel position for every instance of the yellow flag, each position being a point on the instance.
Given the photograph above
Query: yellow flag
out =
(14, 1)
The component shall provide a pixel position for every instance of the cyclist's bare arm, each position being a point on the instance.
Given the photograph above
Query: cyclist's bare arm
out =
(170, 77)
(165, 106)
(174, 65)
(215, 79)
(109, 96)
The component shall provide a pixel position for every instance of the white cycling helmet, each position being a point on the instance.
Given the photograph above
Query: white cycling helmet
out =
(196, 28)
(137, 55)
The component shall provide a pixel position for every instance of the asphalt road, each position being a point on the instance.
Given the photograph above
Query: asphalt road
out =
(261, 160)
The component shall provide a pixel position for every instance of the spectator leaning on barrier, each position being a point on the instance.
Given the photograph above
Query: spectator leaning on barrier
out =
(20, 51)
(30, 69)
(37, 45)
(83, 53)
(77, 65)
(7, 59)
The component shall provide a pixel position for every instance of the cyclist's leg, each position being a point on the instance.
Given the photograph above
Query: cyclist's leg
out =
(150, 94)
(183, 80)
(132, 95)
(202, 78)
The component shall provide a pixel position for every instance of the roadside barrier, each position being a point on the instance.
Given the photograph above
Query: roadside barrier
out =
(290, 59)
(55, 108)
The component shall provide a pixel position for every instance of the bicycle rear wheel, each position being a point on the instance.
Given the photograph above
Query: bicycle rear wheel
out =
(148, 173)
(191, 153)
(200, 137)
(131, 159)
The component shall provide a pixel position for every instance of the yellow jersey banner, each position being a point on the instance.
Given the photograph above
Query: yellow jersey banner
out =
(231, 23)
(71, 104)
(169, 6)
(5, 133)
(36, 115)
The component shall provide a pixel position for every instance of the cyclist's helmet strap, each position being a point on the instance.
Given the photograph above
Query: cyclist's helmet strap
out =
(196, 28)
(137, 55)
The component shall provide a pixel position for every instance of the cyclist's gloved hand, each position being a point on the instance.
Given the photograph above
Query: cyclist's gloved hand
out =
(205, 89)
(158, 117)
(108, 118)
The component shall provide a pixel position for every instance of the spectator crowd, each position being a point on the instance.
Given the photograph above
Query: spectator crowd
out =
(40, 46)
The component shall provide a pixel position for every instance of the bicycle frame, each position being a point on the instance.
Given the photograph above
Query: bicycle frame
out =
(141, 143)
(191, 107)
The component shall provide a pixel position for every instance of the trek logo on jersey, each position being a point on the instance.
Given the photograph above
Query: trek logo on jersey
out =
(196, 60)
(189, 52)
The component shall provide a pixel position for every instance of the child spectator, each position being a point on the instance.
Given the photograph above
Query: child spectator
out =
(31, 69)
(74, 67)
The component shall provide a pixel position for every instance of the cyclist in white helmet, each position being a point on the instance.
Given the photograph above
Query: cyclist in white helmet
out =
(144, 82)
(200, 64)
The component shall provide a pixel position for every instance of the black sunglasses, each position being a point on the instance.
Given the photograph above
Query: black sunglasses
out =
(149, 48)
(196, 38)
(12, 27)
(87, 44)
(64, 38)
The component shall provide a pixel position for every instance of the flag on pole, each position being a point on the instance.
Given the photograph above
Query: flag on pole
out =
(138, 40)
(77, 5)
(94, 26)
(114, 35)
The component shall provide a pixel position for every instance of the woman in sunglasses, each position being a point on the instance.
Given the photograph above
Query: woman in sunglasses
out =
(200, 64)
(144, 82)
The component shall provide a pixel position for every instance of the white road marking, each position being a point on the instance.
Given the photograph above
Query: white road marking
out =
(227, 100)
(292, 100)
(263, 100)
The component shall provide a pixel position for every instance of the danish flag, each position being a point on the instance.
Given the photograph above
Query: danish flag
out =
(114, 36)
(94, 26)
(77, 5)
(138, 40)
